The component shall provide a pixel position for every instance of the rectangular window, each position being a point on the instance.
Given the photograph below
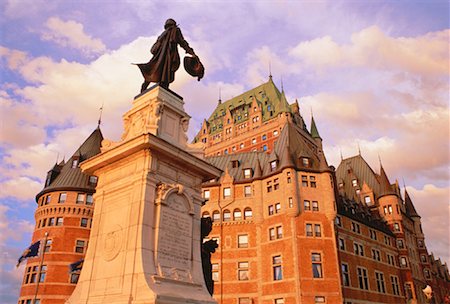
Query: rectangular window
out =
(243, 241)
(206, 194)
(279, 232)
(247, 173)
(51, 221)
(273, 165)
(376, 255)
(89, 199)
(354, 182)
(242, 271)
(390, 259)
(341, 244)
(400, 244)
(309, 230)
(48, 199)
(215, 271)
(307, 205)
(316, 259)
(395, 286)
(319, 299)
(62, 198)
(276, 266)
(34, 274)
(279, 301)
(269, 186)
(317, 230)
(277, 208)
(244, 301)
(44, 222)
(363, 280)
(271, 209)
(338, 221)
(345, 275)
(367, 200)
(290, 202)
(48, 245)
(356, 228)
(248, 191)
(304, 181)
(358, 249)
(315, 206)
(43, 273)
(423, 258)
(312, 181)
(373, 234)
(84, 222)
(396, 227)
(74, 277)
(272, 234)
(59, 221)
(403, 262)
(226, 192)
(379, 276)
(79, 247)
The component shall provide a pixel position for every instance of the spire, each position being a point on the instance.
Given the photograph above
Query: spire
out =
(385, 185)
(282, 86)
(359, 149)
(220, 95)
(100, 116)
(410, 210)
(270, 71)
(314, 131)
(340, 150)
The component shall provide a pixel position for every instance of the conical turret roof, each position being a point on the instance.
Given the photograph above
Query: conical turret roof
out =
(314, 131)
(70, 177)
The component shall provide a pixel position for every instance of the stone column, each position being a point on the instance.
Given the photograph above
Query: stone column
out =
(144, 245)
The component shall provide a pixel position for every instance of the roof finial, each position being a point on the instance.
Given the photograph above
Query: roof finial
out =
(282, 86)
(270, 70)
(359, 149)
(404, 185)
(379, 159)
(220, 95)
(57, 157)
(100, 116)
(340, 150)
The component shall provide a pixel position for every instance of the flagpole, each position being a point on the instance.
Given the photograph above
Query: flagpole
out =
(40, 268)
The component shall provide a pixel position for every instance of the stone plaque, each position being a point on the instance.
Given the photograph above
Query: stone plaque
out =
(175, 237)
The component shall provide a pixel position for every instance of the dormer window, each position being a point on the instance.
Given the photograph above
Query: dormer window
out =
(49, 179)
(93, 180)
(75, 161)
(247, 173)
(305, 162)
(354, 182)
(367, 200)
(234, 163)
(273, 165)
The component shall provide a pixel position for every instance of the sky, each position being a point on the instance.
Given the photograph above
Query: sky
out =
(375, 75)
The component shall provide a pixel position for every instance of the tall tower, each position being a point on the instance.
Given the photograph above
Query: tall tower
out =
(63, 223)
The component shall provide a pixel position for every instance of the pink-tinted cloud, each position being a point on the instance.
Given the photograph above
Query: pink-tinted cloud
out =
(71, 34)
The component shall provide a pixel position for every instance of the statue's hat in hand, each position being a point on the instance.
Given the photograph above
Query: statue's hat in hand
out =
(194, 67)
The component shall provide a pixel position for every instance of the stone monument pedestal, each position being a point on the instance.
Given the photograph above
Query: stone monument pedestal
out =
(144, 245)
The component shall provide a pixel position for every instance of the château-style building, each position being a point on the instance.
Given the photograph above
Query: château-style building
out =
(290, 228)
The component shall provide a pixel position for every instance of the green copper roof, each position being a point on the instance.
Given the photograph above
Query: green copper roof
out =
(268, 97)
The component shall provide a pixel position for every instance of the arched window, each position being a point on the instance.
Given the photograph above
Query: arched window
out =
(226, 215)
(216, 216)
(237, 215)
(205, 214)
(248, 213)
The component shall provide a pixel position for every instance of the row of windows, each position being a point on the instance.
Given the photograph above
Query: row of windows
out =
(242, 145)
(30, 301)
(356, 228)
(52, 221)
(59, 221)
(226, 215)
(34, 275)
(358, 249)
(363, 279)
(82, 198)
(80, 245)
(243, 269)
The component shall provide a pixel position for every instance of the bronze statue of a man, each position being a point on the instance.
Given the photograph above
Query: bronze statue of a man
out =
(166, 60)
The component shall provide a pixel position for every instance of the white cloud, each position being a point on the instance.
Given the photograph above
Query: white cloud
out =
(71, 34)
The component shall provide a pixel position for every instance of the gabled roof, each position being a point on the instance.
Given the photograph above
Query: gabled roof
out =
(72, 178)
(410, 210)
(291, 145)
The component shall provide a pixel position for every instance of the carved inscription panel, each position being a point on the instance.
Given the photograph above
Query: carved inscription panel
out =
(175, 236)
